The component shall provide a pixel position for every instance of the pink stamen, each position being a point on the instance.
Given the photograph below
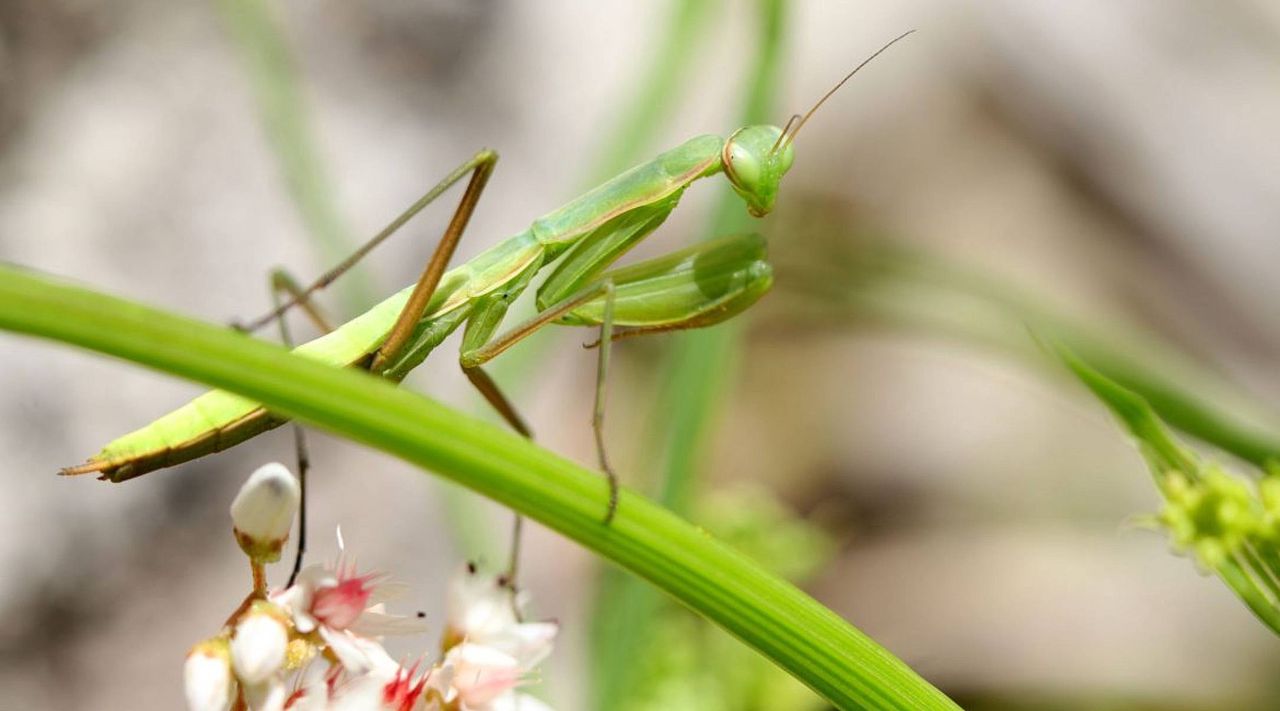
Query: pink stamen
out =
(341, 605)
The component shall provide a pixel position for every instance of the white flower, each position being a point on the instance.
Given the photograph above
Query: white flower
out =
(367, 678)
(258, 647)
(360, 655)
(330, 616)
(206, 676)
(483, 611)
(490, 651)
(371, 692)
(339, 599)
(263, 511)
(474, 677)
(479, 606)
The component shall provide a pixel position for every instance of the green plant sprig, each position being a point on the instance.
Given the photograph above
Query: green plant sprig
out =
(1227, 524)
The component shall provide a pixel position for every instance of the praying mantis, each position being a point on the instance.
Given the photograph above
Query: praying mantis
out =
(694, 287)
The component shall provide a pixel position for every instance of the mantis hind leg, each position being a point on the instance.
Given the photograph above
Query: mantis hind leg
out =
(480, 166)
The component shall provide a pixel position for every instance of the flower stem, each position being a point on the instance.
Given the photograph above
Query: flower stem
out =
(259, 579)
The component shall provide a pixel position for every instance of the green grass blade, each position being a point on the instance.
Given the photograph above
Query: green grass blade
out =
(774, 617)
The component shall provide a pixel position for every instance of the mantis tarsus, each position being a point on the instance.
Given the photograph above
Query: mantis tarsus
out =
(698, 286)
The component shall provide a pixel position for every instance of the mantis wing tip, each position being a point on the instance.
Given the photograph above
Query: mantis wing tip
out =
(89, 467)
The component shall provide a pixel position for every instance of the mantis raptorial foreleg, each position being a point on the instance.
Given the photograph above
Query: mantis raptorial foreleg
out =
(485, 318)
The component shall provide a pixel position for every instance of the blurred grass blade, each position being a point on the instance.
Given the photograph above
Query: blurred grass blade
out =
(695, 384)
(774, 617)
(696, 381)
(277, 90)
(654, 96)
(906, 287)
(638, 125)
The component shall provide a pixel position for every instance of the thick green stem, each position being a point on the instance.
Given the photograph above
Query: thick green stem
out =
(774, 617)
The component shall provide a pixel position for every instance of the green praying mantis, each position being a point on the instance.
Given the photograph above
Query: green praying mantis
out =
(695, 287)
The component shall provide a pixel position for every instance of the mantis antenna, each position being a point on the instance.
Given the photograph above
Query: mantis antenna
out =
(786, 138)
(785, 130)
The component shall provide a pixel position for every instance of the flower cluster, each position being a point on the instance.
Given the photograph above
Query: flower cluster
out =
(316, 645)
(1213, 515)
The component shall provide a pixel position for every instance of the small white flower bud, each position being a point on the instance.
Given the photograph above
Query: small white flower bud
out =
(207, 676)
(263, 511)
(258, 647)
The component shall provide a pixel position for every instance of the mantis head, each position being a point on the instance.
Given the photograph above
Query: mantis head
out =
(756, 157)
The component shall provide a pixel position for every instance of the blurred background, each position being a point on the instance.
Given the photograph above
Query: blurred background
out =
(881, 428)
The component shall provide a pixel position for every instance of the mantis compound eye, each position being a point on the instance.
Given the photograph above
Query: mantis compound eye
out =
(741, 166)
